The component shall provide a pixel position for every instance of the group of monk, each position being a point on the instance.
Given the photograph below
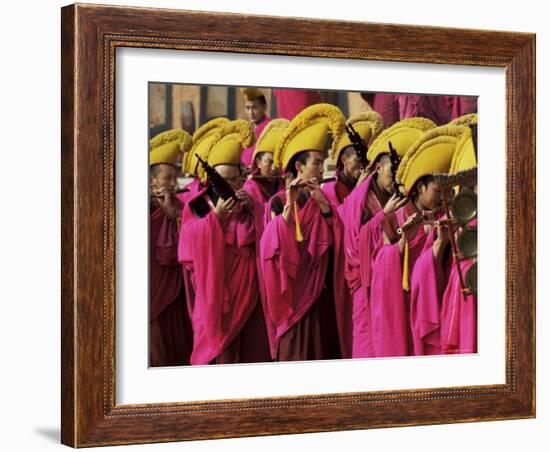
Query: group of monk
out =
(293, 267)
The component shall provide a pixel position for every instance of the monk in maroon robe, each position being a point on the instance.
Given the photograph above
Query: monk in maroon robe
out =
(263, 183)
(298, 274)
(348, 171)
(170, 327)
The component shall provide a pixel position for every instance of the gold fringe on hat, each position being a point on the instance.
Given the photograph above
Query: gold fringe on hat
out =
(464, 120)
(407, 130)
(181, 137)
(314, 114)
(235, 134)
(371, 118)
(208, 129)
(275, 126)
(409, 172)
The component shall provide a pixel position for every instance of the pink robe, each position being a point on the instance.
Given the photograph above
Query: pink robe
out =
(435, 108)
(261, 193)
(221, 259)
(384, 104)
(428, 282)
(246, 156)
(192, 188)
(343, 298)
(170, 328)
(295, 275)
(458, 314)
(362, 243)
(462, 105)
(390, 304)
(290, 102)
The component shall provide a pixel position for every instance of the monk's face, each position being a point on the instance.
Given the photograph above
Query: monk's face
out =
(384, 172)
(232, 174)
(313, 167)
(255, 110)
(164, 176)
(430, 196)
(351, 163)
(265, 164)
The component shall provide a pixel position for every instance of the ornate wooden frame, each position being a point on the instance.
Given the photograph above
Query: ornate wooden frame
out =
(90, 35)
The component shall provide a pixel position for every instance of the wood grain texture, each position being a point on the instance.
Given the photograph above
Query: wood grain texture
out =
(90, 36)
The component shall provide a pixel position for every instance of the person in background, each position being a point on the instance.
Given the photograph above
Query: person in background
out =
(255, 106)
(290, 102)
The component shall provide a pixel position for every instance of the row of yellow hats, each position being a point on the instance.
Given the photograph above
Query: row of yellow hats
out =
(424, 148)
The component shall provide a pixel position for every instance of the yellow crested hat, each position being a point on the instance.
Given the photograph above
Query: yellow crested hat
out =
(431, 153)
(464, 156)
(201, 140)
(165, 147)
(402, 136)
(367, 124)
(267, 141)
(308, 131)
(251, 93)
(465, 120)
(227, 144)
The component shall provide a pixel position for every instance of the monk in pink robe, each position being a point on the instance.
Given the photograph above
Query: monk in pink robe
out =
(428, 281)
(170, 328)
(435, 108)
(298, 274)
(458, 314)
(366, 213)
(390, 301)
(347, 174)
(290, 102)
(217, 246)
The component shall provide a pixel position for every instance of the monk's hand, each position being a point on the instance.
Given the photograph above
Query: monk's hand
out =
(224, 207)
(318, 195)
(244, 198)
(165, 201)
(393, 204)
(441, 241)
(362, 177)
(443, 233)
(292, 192)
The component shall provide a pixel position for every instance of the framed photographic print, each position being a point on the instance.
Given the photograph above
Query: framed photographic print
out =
(234, 263)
